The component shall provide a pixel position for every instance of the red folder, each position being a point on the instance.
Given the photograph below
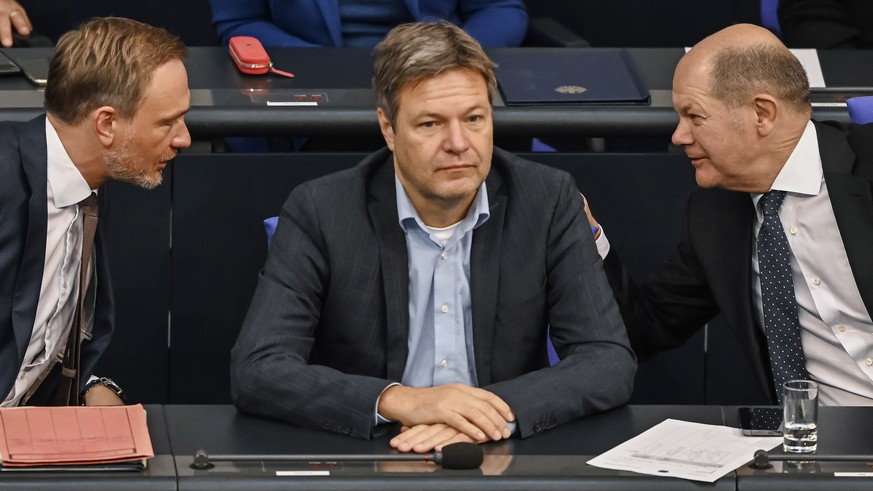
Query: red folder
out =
(47, 436)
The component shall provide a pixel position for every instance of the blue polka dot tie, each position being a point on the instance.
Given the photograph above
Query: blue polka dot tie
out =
(777, 290)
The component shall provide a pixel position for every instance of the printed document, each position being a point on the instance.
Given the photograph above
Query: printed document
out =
(688, 450)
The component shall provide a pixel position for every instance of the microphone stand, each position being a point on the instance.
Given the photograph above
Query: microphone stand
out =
(460, 455)
(762, 459)
(203, 461)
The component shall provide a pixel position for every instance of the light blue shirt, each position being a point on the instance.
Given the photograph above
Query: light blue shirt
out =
(440, 304)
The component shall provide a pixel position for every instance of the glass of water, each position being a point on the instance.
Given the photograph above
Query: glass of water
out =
(800, 416)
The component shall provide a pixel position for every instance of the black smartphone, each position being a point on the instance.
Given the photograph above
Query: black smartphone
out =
(7, 66)
(35, 69)
(761, 421)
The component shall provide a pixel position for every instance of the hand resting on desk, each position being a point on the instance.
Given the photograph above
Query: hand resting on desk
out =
(426, 437)
(474, 413)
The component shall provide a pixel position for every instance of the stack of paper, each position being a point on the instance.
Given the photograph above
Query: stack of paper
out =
(75, 435)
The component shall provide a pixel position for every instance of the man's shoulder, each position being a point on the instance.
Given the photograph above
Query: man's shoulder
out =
(11, 168)
(860, 138)
(10, 132)
(858, 135)
(347, 180)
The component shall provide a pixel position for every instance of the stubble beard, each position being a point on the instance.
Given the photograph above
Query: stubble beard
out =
(121, 167)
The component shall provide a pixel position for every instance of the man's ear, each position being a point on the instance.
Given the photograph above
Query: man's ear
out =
(766, 113)
(105, 121)
(387, 129)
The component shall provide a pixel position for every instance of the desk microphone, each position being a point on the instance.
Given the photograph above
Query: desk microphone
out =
(762, 458)
(460, 455)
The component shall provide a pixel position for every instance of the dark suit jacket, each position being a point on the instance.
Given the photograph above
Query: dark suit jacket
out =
(327, 328)
(833, 24)
(23, 217)
(711, 273)
(317, 22)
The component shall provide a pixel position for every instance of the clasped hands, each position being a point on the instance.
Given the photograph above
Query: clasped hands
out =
(433, 417)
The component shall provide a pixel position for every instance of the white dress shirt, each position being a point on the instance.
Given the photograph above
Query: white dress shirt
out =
(836, 330)
(60, 280)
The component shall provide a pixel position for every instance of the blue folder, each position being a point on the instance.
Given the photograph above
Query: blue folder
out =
(568, 76)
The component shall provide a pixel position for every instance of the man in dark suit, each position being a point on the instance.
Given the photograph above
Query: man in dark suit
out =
(116, 96)
(744, 121)
(418, 286)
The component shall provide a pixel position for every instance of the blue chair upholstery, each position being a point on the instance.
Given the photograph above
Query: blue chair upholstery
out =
(769, 17)
(550, 348)
(270, 228)
(861, 109)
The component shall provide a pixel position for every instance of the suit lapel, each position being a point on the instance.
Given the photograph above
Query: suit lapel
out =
(395, 265)
(485, 275)
(730, 229)
(34, 162)
(852, 201)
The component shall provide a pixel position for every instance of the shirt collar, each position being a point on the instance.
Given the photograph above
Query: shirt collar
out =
(67, 184)
(407, 214)
(802, 172)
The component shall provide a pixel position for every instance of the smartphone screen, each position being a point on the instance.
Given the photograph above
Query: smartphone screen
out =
(761, 421)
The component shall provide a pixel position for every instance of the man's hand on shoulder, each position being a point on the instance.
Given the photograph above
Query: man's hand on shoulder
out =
(595, 227)
(477, 413)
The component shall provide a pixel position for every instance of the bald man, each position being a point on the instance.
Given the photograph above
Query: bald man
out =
(744, 121)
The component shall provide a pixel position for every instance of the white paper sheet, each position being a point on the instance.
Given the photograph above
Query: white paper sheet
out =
(688, 450)
(809, 59)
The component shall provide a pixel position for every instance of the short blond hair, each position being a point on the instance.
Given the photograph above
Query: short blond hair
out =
(413, 52)
(107, 61)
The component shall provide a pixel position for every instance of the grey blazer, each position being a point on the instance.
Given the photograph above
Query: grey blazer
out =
(326, 331)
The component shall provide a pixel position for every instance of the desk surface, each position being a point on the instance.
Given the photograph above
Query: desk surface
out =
(841, 431)
(227, 102)
(551, 460)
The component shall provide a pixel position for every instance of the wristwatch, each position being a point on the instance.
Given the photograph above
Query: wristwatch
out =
(105, 382)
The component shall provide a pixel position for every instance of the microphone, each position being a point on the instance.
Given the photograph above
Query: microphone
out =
(460, 455)
(762, 458)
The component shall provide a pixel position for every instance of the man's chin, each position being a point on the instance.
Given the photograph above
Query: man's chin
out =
(704, 181)
(145, 182)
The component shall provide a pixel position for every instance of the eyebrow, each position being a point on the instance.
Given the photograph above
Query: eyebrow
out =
(689, 107)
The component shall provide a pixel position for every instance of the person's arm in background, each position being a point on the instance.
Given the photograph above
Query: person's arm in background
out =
(494, 23)
(820, 24)
(13, 18)
(251, 18)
